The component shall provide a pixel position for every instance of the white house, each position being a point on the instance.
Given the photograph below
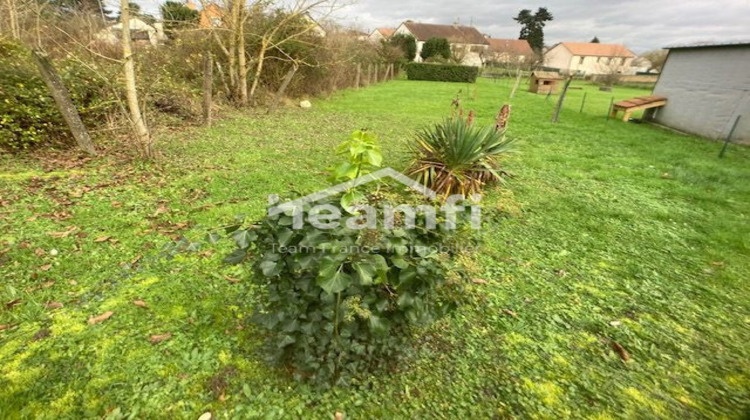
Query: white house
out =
(140, 32)
(465, 41)
(589, 58)
(707, 87)
(381, 34)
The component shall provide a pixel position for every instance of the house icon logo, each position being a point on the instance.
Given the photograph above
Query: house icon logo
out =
(330, 214)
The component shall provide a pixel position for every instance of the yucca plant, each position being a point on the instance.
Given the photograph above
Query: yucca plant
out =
(458, 157)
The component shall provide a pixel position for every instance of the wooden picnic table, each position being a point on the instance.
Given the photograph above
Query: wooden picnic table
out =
(628, 106)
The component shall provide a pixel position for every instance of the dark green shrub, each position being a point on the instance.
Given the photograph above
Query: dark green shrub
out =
(407, 43)
(338, 302)
(177, 15)
(442, 72)
(333, 311)
(436, 47)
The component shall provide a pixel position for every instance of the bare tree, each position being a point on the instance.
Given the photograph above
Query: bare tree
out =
(656, 59)
(269, 38)
(610, 72)
(142, 135)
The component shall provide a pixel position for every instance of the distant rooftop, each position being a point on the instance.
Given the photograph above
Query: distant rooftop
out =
(453, 33)
(512, 46)
(597, 49)
(710, 44)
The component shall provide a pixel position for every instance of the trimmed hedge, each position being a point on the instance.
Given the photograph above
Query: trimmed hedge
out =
(442, 72)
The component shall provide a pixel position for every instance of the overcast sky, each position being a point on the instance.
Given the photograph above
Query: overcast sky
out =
(639, 24)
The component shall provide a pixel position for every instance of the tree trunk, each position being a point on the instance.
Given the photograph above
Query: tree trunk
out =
(140, 130)
(258, 67)
(241, 58)
(223, 78)
(208, 84)
(369, 73)
(234, 23)
(15, 32)
(64, 104)
(358, 76)
(284, 84)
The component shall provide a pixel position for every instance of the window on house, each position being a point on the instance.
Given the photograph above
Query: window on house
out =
(622, 63)
(598, 59)
(581, 60)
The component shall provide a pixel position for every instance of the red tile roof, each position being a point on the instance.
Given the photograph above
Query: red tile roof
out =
(600, 50)
(386, 32)
(510, 46)
(455, 34)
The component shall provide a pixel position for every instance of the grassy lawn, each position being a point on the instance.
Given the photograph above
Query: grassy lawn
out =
(607, 232)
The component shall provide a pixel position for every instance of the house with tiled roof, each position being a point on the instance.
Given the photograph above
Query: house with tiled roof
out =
(589, 58)
(381, 34)
(509, 51)
(466, 41)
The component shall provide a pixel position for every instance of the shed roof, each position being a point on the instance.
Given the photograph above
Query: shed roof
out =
(539, 74)
(711, 44)
(512, 46)
(455, 34)
(598, 50)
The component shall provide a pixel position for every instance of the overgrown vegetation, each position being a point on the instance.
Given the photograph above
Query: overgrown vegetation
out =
(609, 233)
(260, 55)
(28, 115)
(442, 72)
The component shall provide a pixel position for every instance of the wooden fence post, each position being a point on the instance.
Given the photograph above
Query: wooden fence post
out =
(208, 84)
(64, 103)
(284, 84)
(358, 76)
(560, 101)
(583, 102)
(729, 137)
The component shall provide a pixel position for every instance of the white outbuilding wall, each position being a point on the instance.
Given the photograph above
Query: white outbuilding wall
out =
(706, 88)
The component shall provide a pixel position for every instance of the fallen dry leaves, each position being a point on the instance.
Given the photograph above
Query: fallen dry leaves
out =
(139, 303)
(158, 338)
(53, 305)
(232, 279)
(620, 350)
(12, 303)
(103, 317)
(64, 234)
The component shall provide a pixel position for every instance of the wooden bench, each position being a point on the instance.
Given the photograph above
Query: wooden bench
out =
(636, 104)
